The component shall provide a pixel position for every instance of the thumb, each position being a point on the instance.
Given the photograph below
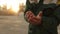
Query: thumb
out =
(40, 13)
(38, 16)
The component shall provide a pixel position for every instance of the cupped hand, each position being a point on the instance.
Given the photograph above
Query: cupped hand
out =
(32, 18)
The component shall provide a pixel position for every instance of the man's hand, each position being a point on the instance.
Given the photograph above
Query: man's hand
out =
(29, 14)
(32, 18)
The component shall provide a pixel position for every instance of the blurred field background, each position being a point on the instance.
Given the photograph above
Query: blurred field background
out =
(13, 25)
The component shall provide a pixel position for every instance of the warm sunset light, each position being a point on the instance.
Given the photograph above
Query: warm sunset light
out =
(12, 3)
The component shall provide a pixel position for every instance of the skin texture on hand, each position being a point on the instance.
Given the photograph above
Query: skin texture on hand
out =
(32, 18)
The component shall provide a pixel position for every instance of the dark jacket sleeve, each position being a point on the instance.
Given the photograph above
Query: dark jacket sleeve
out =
(57, 14)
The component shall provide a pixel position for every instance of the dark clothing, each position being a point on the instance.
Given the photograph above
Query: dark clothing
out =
(34, 7)
(50, 18)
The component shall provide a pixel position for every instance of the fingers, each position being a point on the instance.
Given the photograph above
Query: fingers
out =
(29, 14)
(31, 18)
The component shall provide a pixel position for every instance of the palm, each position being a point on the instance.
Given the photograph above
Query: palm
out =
(32, 18)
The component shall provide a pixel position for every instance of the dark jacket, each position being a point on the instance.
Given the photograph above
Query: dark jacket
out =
(49, 19)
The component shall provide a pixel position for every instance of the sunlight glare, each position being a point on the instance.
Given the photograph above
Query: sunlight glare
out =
(12, 3)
